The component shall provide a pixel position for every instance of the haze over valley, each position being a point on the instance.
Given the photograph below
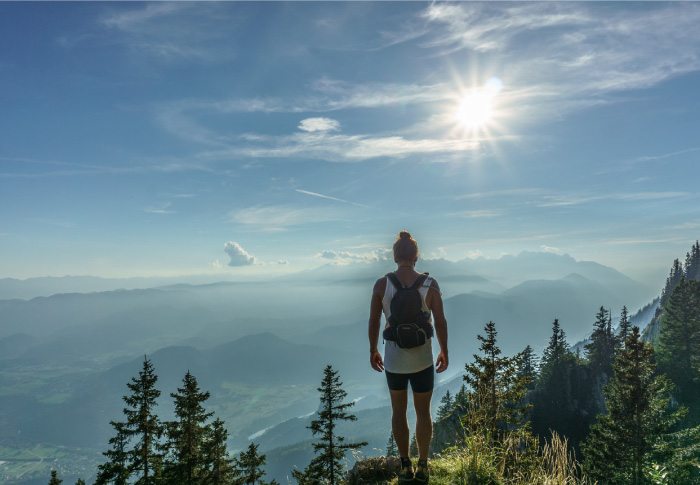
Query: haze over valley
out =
(259, 347)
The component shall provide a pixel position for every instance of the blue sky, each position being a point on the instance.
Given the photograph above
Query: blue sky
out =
(258, 138)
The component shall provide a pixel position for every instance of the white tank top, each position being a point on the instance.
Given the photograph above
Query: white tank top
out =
(406, 361)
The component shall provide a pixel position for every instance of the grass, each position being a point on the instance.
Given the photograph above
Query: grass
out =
(479, 463)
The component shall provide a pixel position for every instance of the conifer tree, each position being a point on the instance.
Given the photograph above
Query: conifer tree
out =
(462, 398)
(80, 482)
(413, 446)
(54, 478)
(625, 326)
(621, 446)
(218, 464)
(600, 351)
(391, 448)
(116, 470)
(187, 434)
(496, 397)
(447, 405)
(248, 467)
(143, 425)
(679, 345)
(560, 399)
(692, 263)
(528, 367)
(330, 450)
(674, 277)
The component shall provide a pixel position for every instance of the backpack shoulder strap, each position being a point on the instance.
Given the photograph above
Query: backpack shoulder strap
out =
(395, 281)
(419, 281)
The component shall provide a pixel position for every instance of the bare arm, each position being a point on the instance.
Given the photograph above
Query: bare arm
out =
(375, 322)
(440, 322)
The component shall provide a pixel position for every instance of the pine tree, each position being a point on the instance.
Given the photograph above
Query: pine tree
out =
(248, 467)
(80, 482)
(600, 351)
(391, 448)
(218, 464)
(496, 398)
(625, 326)
(692, 263)
(116, 470)
(413, 446)
(621, 445)
(462, 398)
(674, 277)
(54, 478)
(679, 345)
(327, 466)
(447, 405)
(560, 397)
(187, 434)
(143, 425)
(528, 367)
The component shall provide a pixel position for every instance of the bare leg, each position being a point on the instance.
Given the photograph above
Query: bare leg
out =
(424, 423)
(399, 422)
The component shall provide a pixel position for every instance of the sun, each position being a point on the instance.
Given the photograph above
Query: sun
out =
(475, 108)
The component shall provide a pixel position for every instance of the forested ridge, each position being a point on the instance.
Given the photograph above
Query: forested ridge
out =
(625, 410)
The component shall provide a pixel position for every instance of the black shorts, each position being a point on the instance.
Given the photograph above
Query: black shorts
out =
(421, 381)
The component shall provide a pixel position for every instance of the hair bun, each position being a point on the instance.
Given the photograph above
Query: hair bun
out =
(404, 235)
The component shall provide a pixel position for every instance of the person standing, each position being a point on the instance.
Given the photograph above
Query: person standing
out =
(413, 365)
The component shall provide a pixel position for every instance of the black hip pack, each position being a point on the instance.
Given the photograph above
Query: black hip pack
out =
(409, 326)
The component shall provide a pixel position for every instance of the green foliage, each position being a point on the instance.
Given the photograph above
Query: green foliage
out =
(691, 268)
(391, 448)
(600, 351)
(219, 465)
(327, 466)
(248, 467)
(528, 367)
(561, 398)
(80, 482)
(116, 470)
(624, 327)
(413, 446)
(185, 463)
(496, 400)
(679, 345)
(143, 424)
(446, 405)
(624, 443)
(54, 478)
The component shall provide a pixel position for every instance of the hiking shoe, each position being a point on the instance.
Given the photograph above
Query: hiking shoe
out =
(406, 474)
(421, 474)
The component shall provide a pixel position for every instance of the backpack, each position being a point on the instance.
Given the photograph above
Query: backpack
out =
(409, 326)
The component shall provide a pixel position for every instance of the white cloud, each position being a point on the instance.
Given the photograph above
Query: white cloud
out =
(567, 56)
(476, 254)
(169, 31)
(319, 124)
(343, 258)
(341, 148)
(475, 214)
(162, 209)
(440, 253)
(573, 199)
(549, 249)
(281, 217)
(130, 20)
(216, 264)
(238, 255)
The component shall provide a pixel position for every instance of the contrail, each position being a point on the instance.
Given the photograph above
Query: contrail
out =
(331, 198)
